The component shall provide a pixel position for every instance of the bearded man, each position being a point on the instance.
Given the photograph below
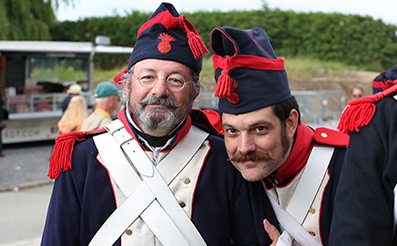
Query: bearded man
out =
(159, 174)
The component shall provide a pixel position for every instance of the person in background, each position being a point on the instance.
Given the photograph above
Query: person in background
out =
(365, 211)
(73, 90)
(106, 102)
(2, 125)
(158, 175)
(266, 140)
(357, 92)
(74, 115)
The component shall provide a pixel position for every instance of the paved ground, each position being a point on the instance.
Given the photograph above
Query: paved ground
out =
(25, 191)
(22, 216)
(24, 165)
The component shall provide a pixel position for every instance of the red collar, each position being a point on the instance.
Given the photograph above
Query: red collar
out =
(299, 154)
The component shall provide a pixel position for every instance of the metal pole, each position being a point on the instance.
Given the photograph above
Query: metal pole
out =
(91, 69)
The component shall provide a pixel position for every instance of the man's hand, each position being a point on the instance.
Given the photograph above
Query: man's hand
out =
(274, 234)
(278, 240)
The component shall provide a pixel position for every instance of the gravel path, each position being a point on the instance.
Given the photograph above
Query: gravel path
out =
(24, 165)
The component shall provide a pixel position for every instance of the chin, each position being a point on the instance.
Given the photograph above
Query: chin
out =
(252, 175)
(251, 178)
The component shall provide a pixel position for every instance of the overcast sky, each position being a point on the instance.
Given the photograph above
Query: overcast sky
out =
(379, 9)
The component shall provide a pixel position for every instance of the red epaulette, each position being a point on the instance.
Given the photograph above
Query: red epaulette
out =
(327, 136)
(208, 120)
(61, 157)
(360, 111)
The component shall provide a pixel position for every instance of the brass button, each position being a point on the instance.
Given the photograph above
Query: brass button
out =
(128, 232)
(312, 210)
(312, 233)
(202, 146)
(186, 181)
(324, 135)
(182, 204)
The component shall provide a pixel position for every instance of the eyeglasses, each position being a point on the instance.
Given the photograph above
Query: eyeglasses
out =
(148, 79)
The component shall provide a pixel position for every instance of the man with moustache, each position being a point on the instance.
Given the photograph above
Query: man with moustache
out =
(266, 140)
(158, 175)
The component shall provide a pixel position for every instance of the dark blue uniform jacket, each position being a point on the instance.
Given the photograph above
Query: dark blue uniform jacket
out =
(83, 199)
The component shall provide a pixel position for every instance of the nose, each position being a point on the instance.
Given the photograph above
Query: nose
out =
(246, 144)
(160, 88)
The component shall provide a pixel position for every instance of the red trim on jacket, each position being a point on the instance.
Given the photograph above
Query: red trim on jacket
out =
(299, 154)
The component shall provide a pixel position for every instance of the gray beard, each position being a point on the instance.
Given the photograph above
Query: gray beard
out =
(168, 120)
(158, 120)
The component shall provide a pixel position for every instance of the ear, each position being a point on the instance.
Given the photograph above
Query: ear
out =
(196, 92)
(292, 123)
(126, 89)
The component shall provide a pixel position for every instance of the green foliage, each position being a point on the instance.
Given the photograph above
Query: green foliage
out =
(121, 30)
(296, 67)
(208, 69)
(27, 19)
(359, 41)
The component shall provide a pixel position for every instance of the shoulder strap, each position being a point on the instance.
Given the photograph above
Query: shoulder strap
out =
(291, 225)
(292, 218)
(310, 182)
(156, 204)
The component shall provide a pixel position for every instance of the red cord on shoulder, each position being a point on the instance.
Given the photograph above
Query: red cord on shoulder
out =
(360, 111)
(61, 158)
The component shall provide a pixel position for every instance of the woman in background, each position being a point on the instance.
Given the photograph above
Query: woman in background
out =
(74, 116)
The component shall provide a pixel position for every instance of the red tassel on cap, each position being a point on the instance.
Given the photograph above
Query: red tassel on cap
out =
(196, 45)
(225, 88)
(117, 78)
(224, 84)
(61, 158)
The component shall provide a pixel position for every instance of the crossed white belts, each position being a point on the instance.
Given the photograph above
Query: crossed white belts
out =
(146, 187)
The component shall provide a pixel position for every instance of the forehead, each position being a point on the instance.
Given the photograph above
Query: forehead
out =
(158, 65)
(251, 119)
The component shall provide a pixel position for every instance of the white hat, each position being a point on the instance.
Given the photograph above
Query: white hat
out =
(74, 89)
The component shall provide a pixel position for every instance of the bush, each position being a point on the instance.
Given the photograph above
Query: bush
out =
(355, 40)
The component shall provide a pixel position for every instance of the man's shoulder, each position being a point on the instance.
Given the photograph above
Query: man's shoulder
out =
(61, 157)
(95, 115)
(207, 120)
(388, 103)
(330, 137)
(94, 121)
(384, 118)
(361, 111)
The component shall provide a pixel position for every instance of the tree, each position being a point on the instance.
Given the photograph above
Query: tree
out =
(27, 19)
